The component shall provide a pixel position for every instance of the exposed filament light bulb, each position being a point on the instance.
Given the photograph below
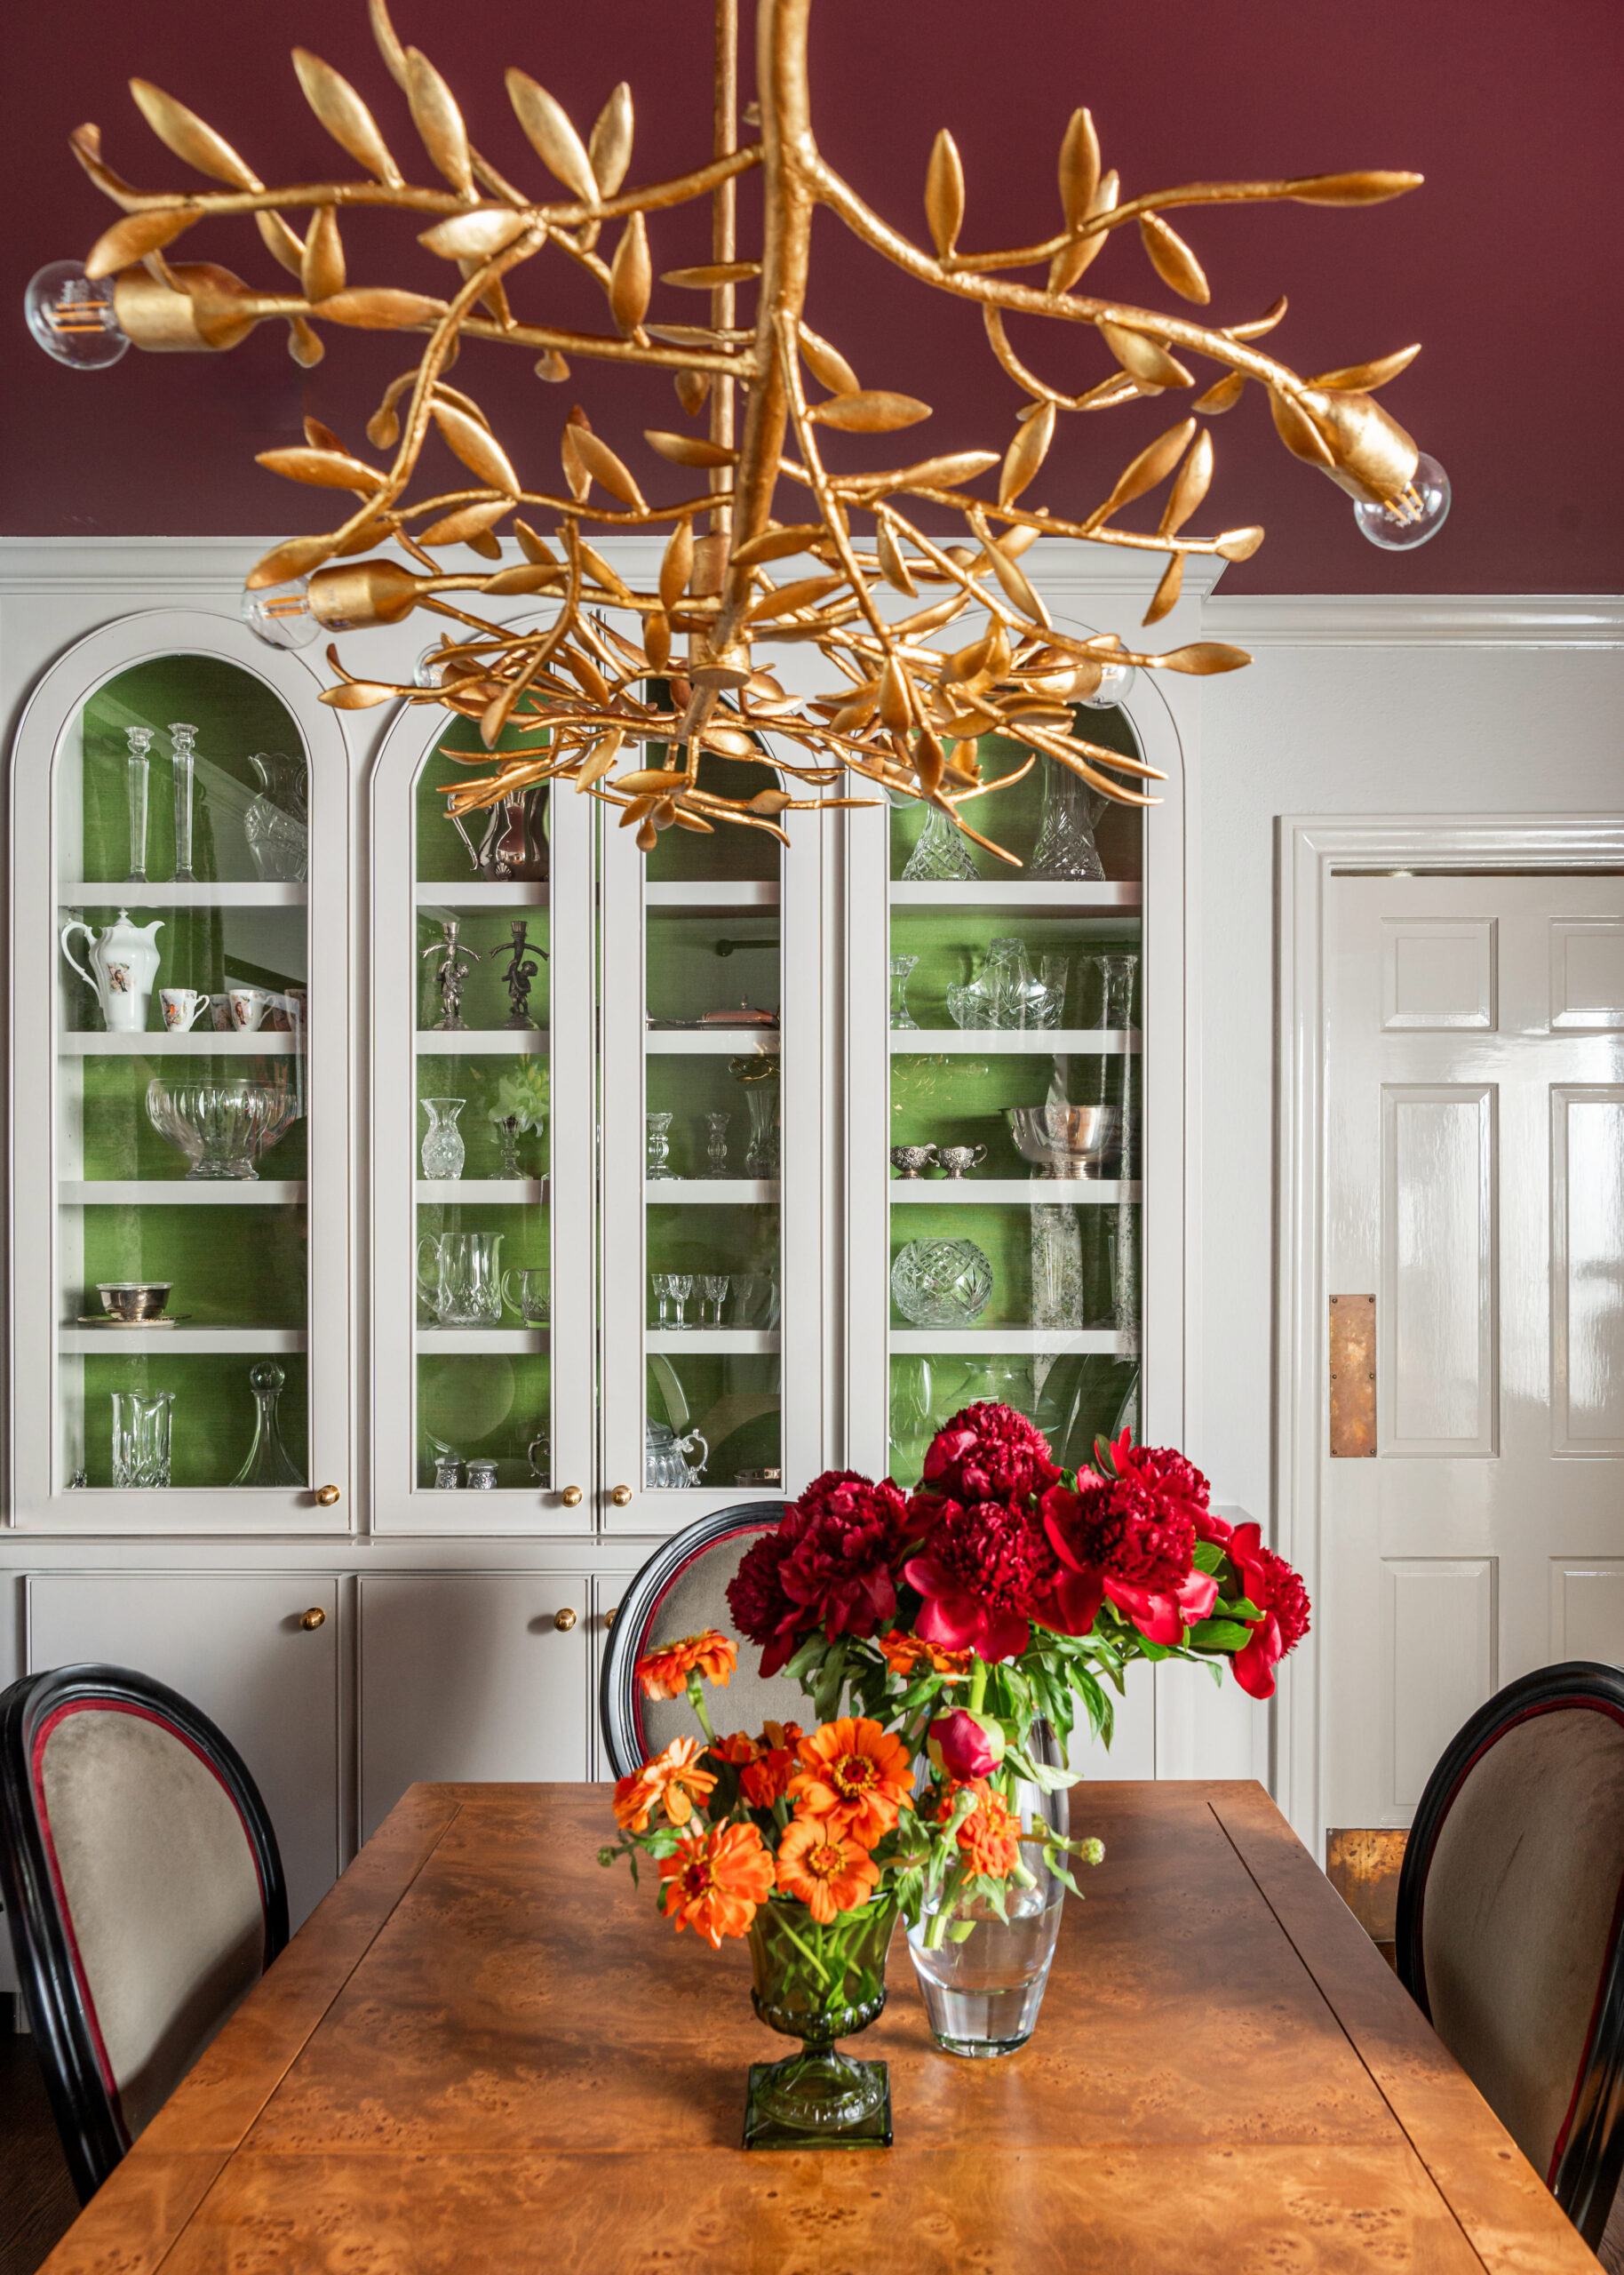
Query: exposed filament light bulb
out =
(73, 317)
(281, 614)
(1410, 519)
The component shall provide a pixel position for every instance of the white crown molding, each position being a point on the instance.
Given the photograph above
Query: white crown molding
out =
(1416, 620)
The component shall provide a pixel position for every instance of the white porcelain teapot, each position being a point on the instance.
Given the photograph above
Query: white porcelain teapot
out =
(123, 963)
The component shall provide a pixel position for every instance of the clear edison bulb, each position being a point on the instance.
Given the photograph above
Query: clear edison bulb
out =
(1116, 684)
(281, 614)
(73, 318)
(1419, 515)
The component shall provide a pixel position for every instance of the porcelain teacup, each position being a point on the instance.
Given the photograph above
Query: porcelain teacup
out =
(249, 1006)
(181, 1006)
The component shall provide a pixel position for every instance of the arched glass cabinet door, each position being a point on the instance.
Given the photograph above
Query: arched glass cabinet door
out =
(179, 1301)
(483, 990)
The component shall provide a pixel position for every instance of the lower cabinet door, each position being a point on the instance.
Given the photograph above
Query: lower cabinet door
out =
(234, 1644)
(470, 1676)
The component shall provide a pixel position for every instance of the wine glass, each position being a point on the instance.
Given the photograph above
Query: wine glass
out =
(660, 1281)
(682, 1289)
(713, 1290)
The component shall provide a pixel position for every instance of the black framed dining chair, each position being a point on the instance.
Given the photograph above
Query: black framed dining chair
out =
(143, 1887)
(1510, 1908)
(681, 1590)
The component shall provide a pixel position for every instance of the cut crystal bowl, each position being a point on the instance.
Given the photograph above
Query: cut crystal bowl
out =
(941, 1282)
(222, 1127)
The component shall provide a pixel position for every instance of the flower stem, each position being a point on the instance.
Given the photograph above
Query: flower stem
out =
(804, 1950)
(978, 1685)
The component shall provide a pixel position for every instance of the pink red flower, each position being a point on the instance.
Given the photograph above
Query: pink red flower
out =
(1120, 1543)
(1173, 1483)
(762, 1608)
(982, 1571)
(829, 1565)
(1278, 1591)
(988, 1453)
(965, 1746)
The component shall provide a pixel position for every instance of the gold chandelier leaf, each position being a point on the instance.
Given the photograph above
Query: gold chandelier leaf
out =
(468, 521)
(944, 194)
(1144, 358)
(476, 235)
(281, 242)
(535, 547)
(1014, 579)
(357, 695)
(133, 238)
(599, 759)
(1239, 544)
(389, 46)
(181, 130)
(609, 151)
(86, 143)
(379, 307)
(324, 469)
(1203, 657)
(1224, 395)
(677, 564)
(1027, 452)
(1298, 431)
(805, 592)
(1167, 593)
(475, 445)
(345, 115)
(321, 269)
(826, 363)
(1069, 262)
(688, 450)
(929, 474)
(1172, 260)
(602, 465)
(1195, 480)
(631, 276)
(711, 274)
(438, 121)
(1364, 379)
(1080, 168)
(1363, 189)
(893, 567)
(552, 135)
(870, 411)
(552, 366)
(692, 389)
(1153, 464)
(776, 544)
(532, 576)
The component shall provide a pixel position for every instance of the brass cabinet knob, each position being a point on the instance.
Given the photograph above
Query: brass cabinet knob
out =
(564, 1620)
(571, 1496)
(621, 1495)
(328, 1496)
(608, 1616)
(312, 1619)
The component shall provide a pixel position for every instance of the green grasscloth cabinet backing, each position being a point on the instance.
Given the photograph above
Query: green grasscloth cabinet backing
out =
(212, 1426)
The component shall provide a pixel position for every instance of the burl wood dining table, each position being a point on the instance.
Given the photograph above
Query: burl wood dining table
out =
(484, 2051)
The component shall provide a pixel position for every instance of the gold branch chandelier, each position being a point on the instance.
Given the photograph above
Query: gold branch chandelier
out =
(931, 645)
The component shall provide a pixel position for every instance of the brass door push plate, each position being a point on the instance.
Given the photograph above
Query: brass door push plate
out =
(1353, 1377)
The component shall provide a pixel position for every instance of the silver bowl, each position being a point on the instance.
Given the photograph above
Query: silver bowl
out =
(129, 1299)
(1065, 1141)
(222, 1127)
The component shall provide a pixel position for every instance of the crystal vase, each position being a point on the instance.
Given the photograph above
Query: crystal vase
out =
(1065, 850)
(982, 1978)
(941, 857)
(444, 1151)
(819, 1984)
(269, 1463)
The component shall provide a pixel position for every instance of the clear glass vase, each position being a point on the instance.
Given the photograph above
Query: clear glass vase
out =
(444, 1151)
(942, 856)
(982, 1978)
(142, 1424)
(1005, 992)
(1065, 850)
(269, 1463)
(819, 1984)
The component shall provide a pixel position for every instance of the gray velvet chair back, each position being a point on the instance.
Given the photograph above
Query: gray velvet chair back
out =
(1509, 1916)
(143, 1889)
(682, 1590)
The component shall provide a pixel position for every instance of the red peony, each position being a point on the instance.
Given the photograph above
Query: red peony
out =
(982, 1571)
(988, 1453)
(762, 1608)
(1175, 1485)
(965, 1746)
(1134, 1548)
(1276, 1588)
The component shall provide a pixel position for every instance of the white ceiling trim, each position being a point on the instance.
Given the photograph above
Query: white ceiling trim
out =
(1416, 620)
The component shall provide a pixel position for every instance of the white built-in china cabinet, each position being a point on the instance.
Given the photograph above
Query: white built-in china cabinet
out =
(427, 1405)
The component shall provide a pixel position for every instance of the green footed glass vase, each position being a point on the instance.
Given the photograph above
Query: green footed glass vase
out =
(819, 1985)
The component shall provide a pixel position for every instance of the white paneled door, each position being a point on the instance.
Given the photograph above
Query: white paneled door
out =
(1475, 1187)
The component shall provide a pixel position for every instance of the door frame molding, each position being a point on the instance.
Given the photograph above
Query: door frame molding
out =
(1310, 849)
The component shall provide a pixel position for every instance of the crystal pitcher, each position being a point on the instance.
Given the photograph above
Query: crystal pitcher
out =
(462, 1285)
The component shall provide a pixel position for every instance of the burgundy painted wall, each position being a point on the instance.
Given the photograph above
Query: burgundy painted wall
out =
(1506, 264)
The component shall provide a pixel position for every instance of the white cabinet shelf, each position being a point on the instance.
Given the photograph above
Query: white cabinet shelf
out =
(700, 1342)
(715, 1043)
(478, 893)
(128, 1342)
(747, 893)
(483, 1192)
(480, 1043)
(1015, 1342)
(241, 893)
(1049, 1042)
(1013, 898)
(711, 1191)
(200, 1192)
(475, 1340)
(196, 1042)
(1020, 1193)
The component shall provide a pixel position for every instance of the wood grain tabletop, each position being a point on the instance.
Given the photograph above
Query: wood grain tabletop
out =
(483, 2051)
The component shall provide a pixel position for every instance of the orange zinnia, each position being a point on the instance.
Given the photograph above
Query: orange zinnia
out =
(670, 1780)
(828, 1871)
(737, 1750)
(854, 1774)
(664, 1673)
(903, 1653)
(715, 1880)
(989, 1836)
(768, 1778)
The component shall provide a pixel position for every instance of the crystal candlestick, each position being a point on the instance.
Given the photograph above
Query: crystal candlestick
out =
(138, 767)
(659, 1148)
(901, 1015)
(716, 1144)
(185, 764)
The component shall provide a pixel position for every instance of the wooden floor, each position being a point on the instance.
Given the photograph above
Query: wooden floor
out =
(38, 2202)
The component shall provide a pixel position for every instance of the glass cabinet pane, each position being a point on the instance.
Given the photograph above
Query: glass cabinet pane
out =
(180, 1015)
(1014, 1035)
(480, 983)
